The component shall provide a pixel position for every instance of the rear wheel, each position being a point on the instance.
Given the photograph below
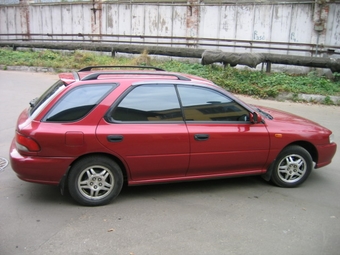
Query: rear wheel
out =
(292, 167)
(95, 180)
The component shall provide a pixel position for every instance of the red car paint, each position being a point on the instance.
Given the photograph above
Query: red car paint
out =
(155, 151)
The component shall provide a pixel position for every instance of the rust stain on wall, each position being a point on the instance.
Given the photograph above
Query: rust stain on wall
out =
(96, 17)
(25, 17)
(193, 14)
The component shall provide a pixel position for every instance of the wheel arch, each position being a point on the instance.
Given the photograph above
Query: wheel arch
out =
(63, 181)
(306, 145)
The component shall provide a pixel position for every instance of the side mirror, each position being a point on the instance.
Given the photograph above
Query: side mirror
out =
(255, 117)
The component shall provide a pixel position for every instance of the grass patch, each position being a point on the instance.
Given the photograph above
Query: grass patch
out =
(238, 81)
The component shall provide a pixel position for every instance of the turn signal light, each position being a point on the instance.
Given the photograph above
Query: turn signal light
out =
(25, 143)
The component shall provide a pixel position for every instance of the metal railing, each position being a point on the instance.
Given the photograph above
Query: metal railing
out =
(192, 42)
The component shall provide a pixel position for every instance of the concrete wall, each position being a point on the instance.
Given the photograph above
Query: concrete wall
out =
(240, 26)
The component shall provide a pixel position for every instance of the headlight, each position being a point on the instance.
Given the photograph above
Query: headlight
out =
(331, 138)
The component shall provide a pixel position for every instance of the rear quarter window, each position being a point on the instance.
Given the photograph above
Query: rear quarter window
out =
(49, 93)
(78, 102)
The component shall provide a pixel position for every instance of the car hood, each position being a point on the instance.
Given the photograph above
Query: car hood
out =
(286, 120)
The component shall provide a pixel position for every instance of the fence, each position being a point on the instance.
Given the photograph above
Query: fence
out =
(305, 28)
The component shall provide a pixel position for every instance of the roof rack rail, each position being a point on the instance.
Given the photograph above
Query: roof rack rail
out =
(94, 76)
(89, 68)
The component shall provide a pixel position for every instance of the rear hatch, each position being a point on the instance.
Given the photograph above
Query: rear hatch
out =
(24, 143)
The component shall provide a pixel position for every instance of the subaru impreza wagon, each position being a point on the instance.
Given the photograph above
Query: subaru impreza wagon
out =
(98, 128)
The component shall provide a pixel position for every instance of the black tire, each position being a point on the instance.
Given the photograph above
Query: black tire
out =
(95, 180)
(292, 167)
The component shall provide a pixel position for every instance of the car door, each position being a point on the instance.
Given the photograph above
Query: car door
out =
(222, 139)
(145, 128)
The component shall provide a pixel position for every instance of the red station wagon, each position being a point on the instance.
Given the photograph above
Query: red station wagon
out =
(99, 127)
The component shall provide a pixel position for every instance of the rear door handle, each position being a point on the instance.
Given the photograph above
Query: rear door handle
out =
(115, 138)
(201, 137)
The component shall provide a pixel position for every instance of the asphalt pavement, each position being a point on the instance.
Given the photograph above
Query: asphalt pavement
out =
(231, 216)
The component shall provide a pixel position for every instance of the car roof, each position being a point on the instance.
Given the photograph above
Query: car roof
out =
(133, 73)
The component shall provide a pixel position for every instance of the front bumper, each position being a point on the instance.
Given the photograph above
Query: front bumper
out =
(326, 153)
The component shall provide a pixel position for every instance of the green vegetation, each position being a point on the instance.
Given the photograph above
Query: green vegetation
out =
(246, 82)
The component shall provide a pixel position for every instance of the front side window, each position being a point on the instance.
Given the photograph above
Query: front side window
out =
(204, 104)
(78, 102)
(149, 103)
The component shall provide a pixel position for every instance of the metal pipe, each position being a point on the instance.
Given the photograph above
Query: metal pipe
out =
(250, 42)
(186, 44)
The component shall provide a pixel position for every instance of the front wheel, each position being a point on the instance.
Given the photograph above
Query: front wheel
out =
(95, 180)
(292, 167)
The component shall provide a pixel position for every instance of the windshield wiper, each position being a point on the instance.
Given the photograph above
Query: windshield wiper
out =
(32, 103)
(265, 114)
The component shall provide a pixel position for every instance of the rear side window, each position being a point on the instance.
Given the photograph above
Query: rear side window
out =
(149, 103)
(78, 102)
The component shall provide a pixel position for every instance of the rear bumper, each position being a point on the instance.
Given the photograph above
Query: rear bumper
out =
(326, 153)
(38, 169)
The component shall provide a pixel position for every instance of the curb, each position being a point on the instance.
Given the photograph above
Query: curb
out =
(28, 69)
(311, 98)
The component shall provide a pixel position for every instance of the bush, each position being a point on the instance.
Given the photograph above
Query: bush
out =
(246, 82)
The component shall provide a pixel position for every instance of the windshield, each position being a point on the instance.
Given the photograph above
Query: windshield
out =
(35, 103)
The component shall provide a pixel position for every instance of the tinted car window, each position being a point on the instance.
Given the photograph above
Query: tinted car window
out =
(203, 104)
(149, 103)
(35, 103)
(78, 102)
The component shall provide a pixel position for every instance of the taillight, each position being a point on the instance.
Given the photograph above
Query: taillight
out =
(25, 143)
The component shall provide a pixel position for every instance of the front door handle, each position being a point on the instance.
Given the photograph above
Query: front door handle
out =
(201, 137)
(115, 138)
